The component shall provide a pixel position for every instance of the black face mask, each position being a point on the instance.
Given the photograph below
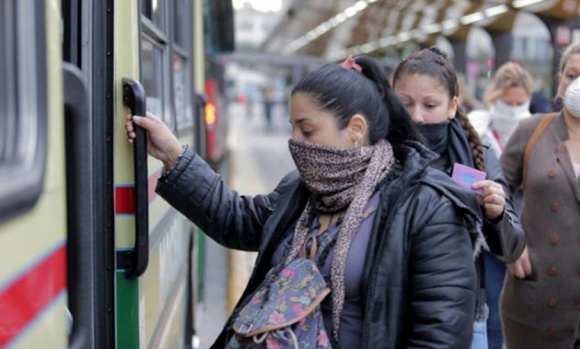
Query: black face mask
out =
(436, 135)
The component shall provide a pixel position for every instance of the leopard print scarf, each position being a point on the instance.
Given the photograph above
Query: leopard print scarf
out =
(338, 178)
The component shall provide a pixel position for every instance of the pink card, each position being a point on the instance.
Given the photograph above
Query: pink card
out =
(466, 176)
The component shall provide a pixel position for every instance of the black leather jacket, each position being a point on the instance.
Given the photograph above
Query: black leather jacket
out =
(419, 283)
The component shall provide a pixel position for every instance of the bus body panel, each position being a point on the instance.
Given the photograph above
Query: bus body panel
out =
(32, 245)
(37, 297)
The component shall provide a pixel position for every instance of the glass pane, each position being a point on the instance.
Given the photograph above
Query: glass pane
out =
(8, 112)
(181, 92)
(158, 13)
(179, 12)
(4, 88)
(152, 78)
(145, 8)
(154, 10)
(23, 109)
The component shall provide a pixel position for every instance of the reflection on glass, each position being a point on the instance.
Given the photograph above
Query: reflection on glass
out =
(19, 107)
(178, 22)
(152, 78)
(158, 13)
(4, 129)
(154, 10)
(7, 114)
(180, 93)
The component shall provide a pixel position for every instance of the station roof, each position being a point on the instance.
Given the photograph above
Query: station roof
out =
(333, 29)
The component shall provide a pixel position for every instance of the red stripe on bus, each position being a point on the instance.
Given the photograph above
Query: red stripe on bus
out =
(28, 295)
(125, 196)
(125, 200)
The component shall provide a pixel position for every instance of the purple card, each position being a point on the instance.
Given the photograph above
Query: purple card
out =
(466, 176)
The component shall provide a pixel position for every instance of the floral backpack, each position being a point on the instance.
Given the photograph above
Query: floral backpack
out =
(285, 311)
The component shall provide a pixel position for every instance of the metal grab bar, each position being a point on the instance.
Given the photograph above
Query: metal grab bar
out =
(135, 261)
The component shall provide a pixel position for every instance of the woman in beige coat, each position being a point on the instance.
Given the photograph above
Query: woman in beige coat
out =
(540, 305)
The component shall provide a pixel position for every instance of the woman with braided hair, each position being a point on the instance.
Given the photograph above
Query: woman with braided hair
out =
(426, 83)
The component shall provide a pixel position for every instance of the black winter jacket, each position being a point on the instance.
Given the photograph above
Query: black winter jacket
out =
(419, 283)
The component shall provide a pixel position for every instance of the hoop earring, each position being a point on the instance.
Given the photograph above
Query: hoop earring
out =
(356, 144)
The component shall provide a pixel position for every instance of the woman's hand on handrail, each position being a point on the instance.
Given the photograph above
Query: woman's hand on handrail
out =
(161, 142)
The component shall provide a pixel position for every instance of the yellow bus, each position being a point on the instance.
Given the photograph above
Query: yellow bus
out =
(90, 257)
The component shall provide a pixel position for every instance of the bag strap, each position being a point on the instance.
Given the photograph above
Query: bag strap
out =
(546, 120)
(313, 247)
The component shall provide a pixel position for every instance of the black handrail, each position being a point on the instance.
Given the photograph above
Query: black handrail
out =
(135, 261)
(80, 224)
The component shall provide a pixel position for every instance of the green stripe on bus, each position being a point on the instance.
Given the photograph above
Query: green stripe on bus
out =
(127, 312)
(200, 265)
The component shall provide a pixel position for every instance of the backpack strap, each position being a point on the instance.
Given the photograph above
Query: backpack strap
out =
(546, 120)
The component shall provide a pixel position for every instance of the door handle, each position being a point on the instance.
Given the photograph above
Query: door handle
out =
(135, 261)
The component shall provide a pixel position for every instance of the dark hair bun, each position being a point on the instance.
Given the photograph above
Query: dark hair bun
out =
(440, 56)
(438, 51)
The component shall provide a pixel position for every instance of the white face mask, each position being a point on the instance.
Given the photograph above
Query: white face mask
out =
(502, 109)
(506, 118)
(572, 98)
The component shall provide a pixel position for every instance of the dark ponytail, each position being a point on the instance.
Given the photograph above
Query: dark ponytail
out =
(345, 92)
(401, 128)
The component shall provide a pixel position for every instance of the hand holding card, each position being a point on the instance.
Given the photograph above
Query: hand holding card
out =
(466, 176)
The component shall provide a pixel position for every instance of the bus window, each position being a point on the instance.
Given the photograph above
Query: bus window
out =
(152, 78)
(154, 10)
(182, 95)
(180, 9)
(168, 96)
(22, 106)
(219, 35)
(7, 109)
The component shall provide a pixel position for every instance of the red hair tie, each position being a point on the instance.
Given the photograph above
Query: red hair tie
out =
(517, 67)
(349, 63)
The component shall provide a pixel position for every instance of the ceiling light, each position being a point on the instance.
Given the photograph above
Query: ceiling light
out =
(369, 47)
(384, 42)
(404, 36)
(450, 24)
(326, 26)
(432, 28)
(472, 18)
(524, 3)
(495, 11)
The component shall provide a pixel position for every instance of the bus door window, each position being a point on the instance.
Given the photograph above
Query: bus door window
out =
(154, 10)
(182, 67)
(23, 108)
(152, 79)
(181, 103)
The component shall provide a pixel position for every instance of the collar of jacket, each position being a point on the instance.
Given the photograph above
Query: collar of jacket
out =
(415, 159)
(465, 201)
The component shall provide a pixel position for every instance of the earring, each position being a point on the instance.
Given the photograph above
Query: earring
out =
(356, 144)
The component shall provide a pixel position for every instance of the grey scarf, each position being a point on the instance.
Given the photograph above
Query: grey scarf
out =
(338, 178)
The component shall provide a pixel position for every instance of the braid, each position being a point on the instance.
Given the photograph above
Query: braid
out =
(472, 138)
